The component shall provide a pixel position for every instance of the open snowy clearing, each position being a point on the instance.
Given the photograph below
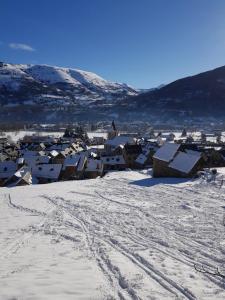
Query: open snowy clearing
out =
(124, 236)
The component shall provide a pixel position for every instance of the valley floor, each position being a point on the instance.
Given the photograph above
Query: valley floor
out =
(124, 236)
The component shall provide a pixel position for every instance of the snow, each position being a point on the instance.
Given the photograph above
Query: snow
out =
(16, 135)
(93, 134)
(87, 86)
(54, 153)
(21, 172)
(124, 236)
(185, 162)
(51, 75)
(167, 152)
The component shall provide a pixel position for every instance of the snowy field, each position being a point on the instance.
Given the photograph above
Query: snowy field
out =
(125, 236)
(16, 135)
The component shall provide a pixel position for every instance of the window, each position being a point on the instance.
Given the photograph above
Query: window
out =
(117, 159)
(5, 169)
(52, 169)
(107, 159)
(40, 168)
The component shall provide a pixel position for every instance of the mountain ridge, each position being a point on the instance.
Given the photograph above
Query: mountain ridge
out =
(43, 93)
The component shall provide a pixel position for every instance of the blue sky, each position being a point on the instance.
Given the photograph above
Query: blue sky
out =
(141, 42)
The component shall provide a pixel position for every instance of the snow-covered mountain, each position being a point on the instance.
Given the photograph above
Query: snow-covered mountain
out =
(41, 93)
(55, 88)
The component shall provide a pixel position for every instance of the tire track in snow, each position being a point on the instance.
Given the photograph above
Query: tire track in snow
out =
(194, 246)
(111, 271)
(156, 275)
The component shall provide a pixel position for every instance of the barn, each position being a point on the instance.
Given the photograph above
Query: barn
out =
(162, 159)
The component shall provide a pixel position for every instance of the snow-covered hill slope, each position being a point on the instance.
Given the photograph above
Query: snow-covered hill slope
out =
(54, 88)
(124, 236)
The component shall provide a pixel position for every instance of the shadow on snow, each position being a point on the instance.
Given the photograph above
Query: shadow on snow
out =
(154, 181)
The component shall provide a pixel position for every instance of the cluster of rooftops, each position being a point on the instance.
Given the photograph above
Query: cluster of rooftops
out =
(36, 159)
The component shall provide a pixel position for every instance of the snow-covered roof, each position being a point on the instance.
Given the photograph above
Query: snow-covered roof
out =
(54, 153)
(20, 160)
(22, 171)
(50, 171)
(59, 147)
(31, 161)
(113, 160)
(212, 139)
(29, 153)
(185, 162)
(22, 174)
(43, 159)
(120, 140)
(71, 160)
(192, 152)
(7, 169)
(141, 159)
(166, 152)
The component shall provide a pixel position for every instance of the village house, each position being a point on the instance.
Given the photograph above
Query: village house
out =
(59, 146)
(130, 154)
(7, 169)
(59, 158)
(99, 150)
(77, 147)
(146, 157)
(162, 158)
(164, 137)
(210, 138)
(21, 177)
(168, 161)
(186, 164)
(46, 173)
(97, 140)
(118, 141)
(28, 153)
(3, 157)
(20, 162)
(81, 166)
(32, 140)
(94, 168)
(11, 152)
(114, 162)
(39, 147)
(70, 167)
